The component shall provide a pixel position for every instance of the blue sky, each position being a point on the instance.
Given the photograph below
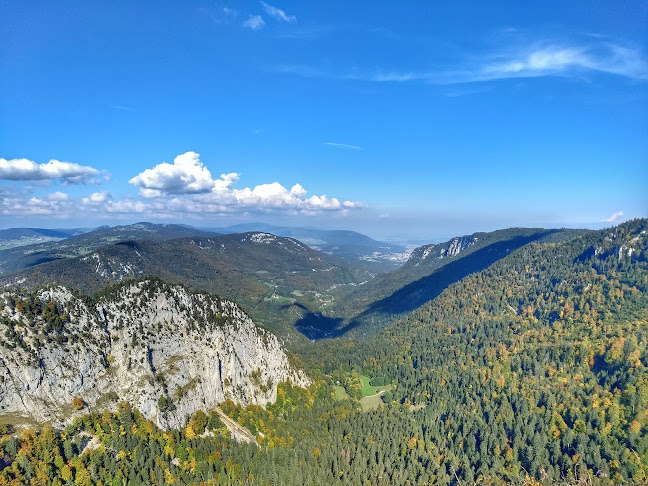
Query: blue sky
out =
(409, 119)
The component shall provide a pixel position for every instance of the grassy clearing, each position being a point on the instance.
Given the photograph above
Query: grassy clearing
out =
(340, 393)
(372, 402)
(367, 389)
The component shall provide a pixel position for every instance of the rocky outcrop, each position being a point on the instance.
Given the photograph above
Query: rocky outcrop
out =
(163, 349)
(441, 250)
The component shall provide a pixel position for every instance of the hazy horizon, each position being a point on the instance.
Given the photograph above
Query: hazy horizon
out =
(404, 237)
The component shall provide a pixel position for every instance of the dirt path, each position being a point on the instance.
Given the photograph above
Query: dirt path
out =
(239, 432)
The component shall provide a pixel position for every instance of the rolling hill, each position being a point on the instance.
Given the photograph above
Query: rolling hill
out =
(277, 280)
(356, 248)
(16, 259)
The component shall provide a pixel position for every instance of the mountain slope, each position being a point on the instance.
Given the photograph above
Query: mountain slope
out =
(266, 274)
(16, 259)
(429, 270)
(536, 366)
(163, 349)
(16, 233)
(14, 237)
(353, 247)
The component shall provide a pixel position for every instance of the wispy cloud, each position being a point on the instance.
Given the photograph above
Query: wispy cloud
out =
(613, 217)
(229, 11)
(343, 145)
(278, 13)
(254, 22)
(561, 60)
(525, 61)
(219, 14)
(122, 108)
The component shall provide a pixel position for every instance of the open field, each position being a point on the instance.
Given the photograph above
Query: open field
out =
(367, 389)
(372, 402)
(340, 392)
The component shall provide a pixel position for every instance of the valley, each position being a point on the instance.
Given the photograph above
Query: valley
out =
(477, 359)
(254, 243)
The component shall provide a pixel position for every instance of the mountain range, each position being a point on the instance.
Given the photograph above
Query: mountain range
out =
(348, 245)
(501, 357)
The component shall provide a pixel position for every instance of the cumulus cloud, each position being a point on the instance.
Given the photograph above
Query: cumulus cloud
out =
(613, 217)
(197, 191)
(28, 170)
(96, 198)
(278, 13)
(56, 204)
(254, 22)
(297, 190)
(127, 206)
(178, 190)
(187, 175)
(58, 196)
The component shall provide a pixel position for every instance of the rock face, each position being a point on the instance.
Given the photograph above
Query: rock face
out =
(442, 250)
(163, 349)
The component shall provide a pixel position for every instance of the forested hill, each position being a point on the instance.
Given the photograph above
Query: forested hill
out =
(532, 371)
(430, 269)
(16, 259)
(17, 233)
(353, 247)
(538, 364)
(273, 278)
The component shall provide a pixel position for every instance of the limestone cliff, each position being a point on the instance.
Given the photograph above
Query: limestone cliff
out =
(441, 250)
(165, 350)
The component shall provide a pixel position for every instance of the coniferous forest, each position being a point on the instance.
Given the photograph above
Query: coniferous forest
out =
(533, 370)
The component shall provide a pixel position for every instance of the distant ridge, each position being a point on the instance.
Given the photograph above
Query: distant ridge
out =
(348, 245)
(16, 259)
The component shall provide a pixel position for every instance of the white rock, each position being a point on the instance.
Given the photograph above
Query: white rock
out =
(146, 341)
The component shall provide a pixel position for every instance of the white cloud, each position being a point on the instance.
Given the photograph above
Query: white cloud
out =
(27, 170)
(254, 22)
(613, 217)
(278, 13)
(58, 196)
(56, 204)
(523, 61)
(343, 145)
(297, 190)
(96, 198)
(553, 60)
(7, 192)
(127, 206)
(186, 175)
(183, 189)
